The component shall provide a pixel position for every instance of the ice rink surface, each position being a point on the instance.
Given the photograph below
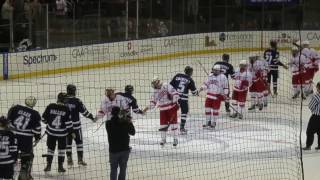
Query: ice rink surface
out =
(264, 145)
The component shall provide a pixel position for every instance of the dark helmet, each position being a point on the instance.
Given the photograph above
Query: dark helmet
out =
(188, 70)
(71, 89)
(225, 57)
(61, 97)
(128, 89)
(273, 43)
(4, 121)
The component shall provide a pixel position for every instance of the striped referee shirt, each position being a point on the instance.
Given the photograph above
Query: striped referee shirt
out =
(314, 104)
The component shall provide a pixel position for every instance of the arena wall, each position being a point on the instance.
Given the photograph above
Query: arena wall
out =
(62, 60)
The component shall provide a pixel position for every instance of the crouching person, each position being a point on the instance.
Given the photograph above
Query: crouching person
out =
(119, 128)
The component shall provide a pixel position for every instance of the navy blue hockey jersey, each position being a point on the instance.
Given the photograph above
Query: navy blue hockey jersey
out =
(183, 83)
(57, 117)
(272, 57)
(226, 68)
(76, 106)
(8, 147)
(24, 121)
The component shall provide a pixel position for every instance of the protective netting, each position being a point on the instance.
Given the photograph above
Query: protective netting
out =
(263, 145)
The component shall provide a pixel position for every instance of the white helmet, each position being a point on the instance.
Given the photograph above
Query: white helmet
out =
(30, 101)
(155, 82)
(216, 67)
(294, 48)
(306, 42)
(243, 62)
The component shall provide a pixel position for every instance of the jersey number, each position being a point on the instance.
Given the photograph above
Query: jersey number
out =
(4, 148)
(21, 122)
(57, 122)
(181, 87)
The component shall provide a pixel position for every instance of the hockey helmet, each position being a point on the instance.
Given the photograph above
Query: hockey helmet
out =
(243, 63)
(129, 89)
(3, 121)
(306, 42)
(155, 82)
(273, 43)
(30, 101)
(71, 89)
(61, 97)
(188, 70)
(216, 67)
(109, 92)
(226, 57)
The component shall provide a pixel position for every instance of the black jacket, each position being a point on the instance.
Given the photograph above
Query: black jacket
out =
(118, 134)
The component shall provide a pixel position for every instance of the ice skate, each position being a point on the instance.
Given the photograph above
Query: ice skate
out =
(252, 107)
(307, 148)
(183, 131)
(47, 168)
(240, 116)
(207, 126)
(295, 95)
(317, 148)
(163, 142)
(260, 106)
(234, 115)
(212, 126)
(175, 142)
(61, 169)
(82, 163)
(70, 161)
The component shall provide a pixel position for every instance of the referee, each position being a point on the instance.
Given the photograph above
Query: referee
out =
(314, 121)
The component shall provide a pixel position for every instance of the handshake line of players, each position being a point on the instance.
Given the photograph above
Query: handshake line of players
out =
(23, 123)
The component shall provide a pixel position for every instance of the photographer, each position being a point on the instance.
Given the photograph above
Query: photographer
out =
(119, 128)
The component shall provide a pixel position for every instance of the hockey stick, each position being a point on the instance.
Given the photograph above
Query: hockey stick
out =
(99, 126)
(203, 68)
(36, 142)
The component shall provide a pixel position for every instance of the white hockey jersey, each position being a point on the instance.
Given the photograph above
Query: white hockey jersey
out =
(165, 98)
(313, 56)
(242, 80)
(216, 85)
(298, 64)
(259, 69)
(107, 105)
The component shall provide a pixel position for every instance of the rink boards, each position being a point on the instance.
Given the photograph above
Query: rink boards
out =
(70, 59)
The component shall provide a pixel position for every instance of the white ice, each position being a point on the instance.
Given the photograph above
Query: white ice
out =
(262, 146)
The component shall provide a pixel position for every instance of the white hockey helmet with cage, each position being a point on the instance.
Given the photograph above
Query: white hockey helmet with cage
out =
(155, 82)
(31, 101)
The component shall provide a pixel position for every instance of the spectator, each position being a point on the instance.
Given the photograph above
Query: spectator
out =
(7, 10)
(119, 128)
(163, 30)
(314, 122)
(61, 7)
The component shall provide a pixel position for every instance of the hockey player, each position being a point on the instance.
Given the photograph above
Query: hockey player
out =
(183, 83)
(76, 106)
(123, 100)
(258, 67)
(217, 90)
(166, 98)
(243, 80)
(311, 66)
(227, 70)
(271, 55)
(297, 65)
(25, 123)
(130, 102)
(8, 150)
(59, 125)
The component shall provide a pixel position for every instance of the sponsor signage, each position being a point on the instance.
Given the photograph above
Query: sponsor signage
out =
(247, 37)
(38, 59)
(182, 43)
(86, 51)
